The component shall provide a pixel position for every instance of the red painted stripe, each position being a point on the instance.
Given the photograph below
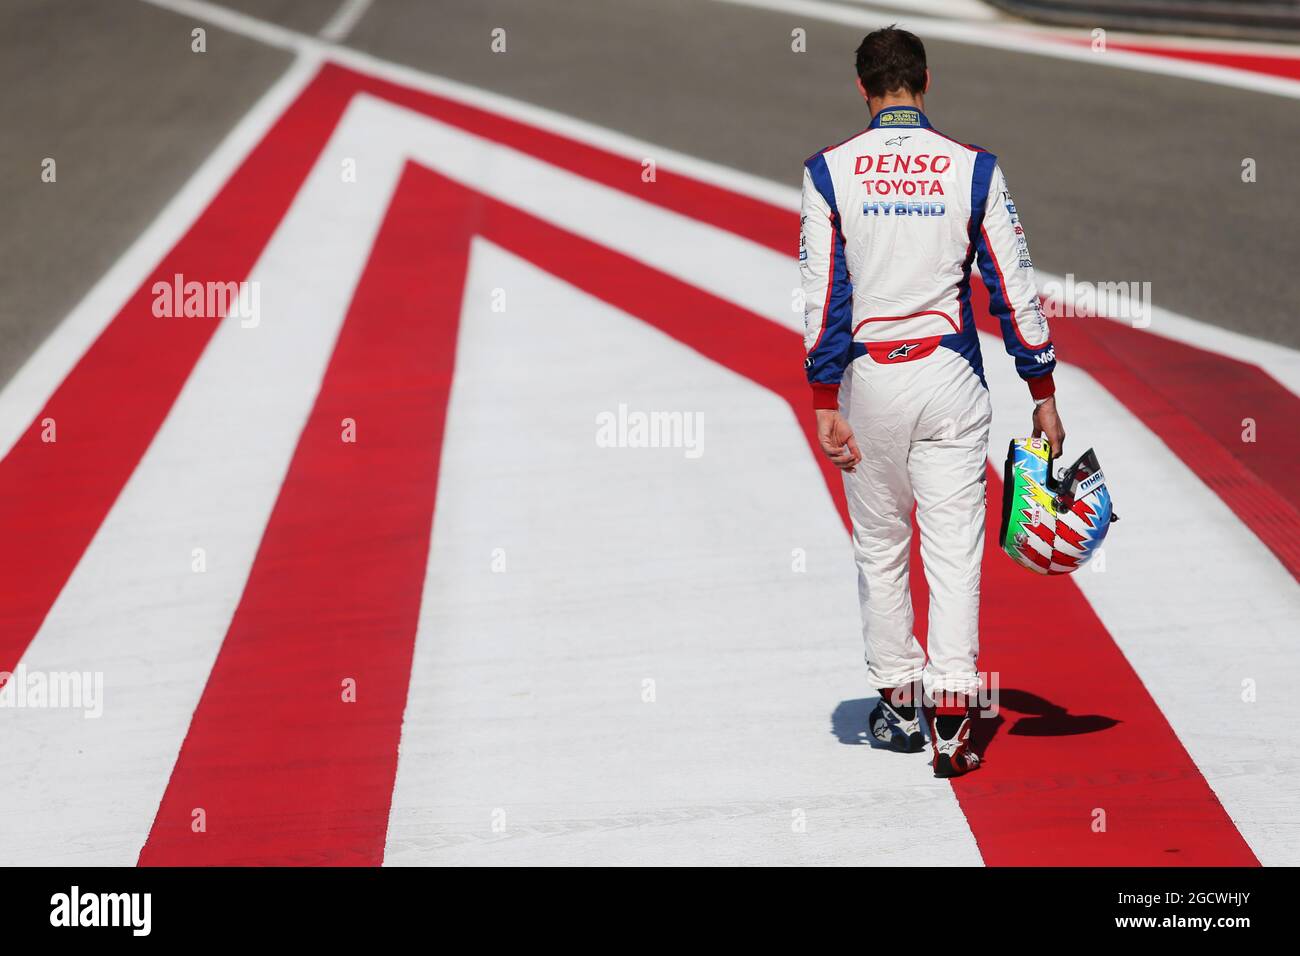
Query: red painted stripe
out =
(732, 211)
(287, 772)
(1056, 758)
(1286, 67)
(54, 496)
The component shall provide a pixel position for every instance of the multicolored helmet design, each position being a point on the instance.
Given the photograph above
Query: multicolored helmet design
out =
(1052, 525)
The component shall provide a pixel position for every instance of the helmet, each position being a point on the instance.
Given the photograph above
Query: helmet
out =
(1052, 525)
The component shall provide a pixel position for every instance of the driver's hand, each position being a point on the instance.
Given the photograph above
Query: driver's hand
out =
(836, 438)
(1048, 424)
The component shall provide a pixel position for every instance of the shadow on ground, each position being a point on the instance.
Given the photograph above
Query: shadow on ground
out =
(1038, 717)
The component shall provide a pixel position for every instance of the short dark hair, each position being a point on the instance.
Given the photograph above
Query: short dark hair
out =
(891, 59)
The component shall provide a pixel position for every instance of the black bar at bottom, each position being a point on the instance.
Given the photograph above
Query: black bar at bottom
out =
(328, 905)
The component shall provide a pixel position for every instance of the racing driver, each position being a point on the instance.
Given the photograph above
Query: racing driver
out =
(894, 219)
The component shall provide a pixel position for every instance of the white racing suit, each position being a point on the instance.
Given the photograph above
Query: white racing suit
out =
(893, 221)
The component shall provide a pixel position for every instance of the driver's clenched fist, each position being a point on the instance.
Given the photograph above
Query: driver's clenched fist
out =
(836, 438)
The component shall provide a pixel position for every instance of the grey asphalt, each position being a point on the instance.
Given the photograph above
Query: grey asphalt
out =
(1119, 175)
(112, 93)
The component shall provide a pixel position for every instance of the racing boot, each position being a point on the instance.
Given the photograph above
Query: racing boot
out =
(950, 742)
(898, 727)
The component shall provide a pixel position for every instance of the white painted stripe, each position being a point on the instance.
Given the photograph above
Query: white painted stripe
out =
(737, 269)
(244, 24)
(1279, 361)
(637, 564)
(998, 36)
(1195, 602)
(86, 791)
(347, 16)
(966, 10)
(26, 393)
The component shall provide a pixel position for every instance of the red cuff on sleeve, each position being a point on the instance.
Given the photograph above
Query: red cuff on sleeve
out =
(826, 395)
(1042, 386)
